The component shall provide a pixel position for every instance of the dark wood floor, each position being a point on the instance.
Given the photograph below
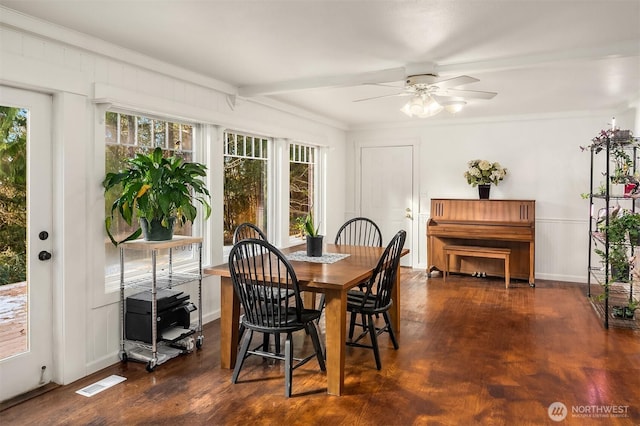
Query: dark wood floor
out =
(470, 353)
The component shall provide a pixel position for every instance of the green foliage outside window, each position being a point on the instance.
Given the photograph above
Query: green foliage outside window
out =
(13, 195)
(245, 187)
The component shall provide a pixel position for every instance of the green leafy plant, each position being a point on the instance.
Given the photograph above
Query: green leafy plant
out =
(622, 165)
(157, 188)
(622, 232)
(309, 227)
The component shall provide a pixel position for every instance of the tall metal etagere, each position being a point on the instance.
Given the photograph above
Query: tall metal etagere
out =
(600, 272)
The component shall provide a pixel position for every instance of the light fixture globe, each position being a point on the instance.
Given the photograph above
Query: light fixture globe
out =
(454, 106)
(421, 105)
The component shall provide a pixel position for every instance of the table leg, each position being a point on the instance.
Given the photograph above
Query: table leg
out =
(309, 299)
(229, 315)
(335, 323)
(394, 311)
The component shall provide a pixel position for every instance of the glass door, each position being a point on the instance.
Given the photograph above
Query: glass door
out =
(25, 241)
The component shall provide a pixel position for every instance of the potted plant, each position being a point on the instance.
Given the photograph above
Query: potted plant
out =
(623, 230)
(620, 142)
(314, 241)
(158, 191)
(483, 173)
(622, 170)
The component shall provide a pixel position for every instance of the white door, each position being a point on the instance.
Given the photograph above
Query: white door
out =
(386, 194)
(25, 298)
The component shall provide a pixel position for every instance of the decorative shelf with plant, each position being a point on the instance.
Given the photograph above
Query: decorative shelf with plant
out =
(614, 230)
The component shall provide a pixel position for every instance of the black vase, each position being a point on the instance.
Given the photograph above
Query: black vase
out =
(314, 246)
(154, 231)
(483, 191)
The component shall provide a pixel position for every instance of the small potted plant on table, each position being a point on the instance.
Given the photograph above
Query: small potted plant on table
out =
(314, 241)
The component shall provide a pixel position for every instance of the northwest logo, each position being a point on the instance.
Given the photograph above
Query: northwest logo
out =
(557, 411)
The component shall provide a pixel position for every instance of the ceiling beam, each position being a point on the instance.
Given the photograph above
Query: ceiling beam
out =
(623, 49)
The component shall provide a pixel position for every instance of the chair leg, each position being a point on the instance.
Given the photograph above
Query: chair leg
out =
(352, 325)
(374, 341)
(242, 355)
(313, 331)
(276, 338)
(240, 333)
(392, 335)
(288, 365)
(321, 305)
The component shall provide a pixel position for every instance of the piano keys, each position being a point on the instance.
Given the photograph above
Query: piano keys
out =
(485, 223)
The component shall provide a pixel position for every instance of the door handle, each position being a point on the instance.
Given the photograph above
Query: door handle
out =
(408, 216)
(44, 255)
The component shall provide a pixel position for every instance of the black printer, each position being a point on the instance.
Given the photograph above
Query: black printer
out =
(173, 310)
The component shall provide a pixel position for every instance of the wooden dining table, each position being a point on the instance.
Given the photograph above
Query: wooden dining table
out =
(332, 279)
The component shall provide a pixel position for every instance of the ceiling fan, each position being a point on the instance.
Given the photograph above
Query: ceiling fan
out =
(431, 94)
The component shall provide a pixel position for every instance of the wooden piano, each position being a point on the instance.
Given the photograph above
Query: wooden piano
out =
(485, 223)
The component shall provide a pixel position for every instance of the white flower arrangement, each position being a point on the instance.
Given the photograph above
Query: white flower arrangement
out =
(483, 172)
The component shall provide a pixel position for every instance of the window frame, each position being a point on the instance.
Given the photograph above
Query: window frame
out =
(315, 201)
(198, 227)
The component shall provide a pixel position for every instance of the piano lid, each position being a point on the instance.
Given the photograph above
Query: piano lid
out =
(483, 211)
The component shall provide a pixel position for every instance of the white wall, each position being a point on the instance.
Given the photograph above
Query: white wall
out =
(85, 76)
(544, 162)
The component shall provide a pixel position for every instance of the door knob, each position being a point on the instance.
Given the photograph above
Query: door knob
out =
(408, 216)
(44, 255)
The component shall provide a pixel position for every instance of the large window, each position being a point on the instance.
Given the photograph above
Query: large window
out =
(302, 161)
(245, 182)
(125, 136)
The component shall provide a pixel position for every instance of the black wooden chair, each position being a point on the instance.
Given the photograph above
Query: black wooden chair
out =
(248, 230)
(375, 299)
(258, 268)
(359, 231)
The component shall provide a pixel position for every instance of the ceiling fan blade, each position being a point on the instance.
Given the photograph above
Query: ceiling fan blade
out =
(384, 96)
(469, 94)
(455, 81)
(383, 85)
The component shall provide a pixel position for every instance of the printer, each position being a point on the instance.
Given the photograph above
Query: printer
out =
(173, 310)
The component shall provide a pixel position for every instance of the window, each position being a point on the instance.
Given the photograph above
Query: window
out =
(125, 136)
(245, 182)
(302, 165)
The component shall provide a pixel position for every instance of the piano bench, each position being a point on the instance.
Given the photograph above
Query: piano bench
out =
(476, 251)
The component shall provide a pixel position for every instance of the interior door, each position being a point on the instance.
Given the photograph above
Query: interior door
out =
(386, 194)
(25, 273)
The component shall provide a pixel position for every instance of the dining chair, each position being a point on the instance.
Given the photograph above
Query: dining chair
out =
(248, 230)
(245, 231)
(375, 299)
(358, 231)
(258, 268)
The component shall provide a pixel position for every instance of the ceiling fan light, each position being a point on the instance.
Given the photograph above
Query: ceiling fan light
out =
(454, 106)
(422, 106)
(407, 109)
(416, 105)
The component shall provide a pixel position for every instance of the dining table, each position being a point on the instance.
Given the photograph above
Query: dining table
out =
(339, 269)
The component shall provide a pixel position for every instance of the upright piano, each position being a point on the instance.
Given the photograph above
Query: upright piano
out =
(485, 223)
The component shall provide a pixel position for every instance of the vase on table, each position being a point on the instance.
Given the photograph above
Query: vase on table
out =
(483, 191)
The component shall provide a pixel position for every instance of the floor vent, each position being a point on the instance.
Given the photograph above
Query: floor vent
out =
(101, 385)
